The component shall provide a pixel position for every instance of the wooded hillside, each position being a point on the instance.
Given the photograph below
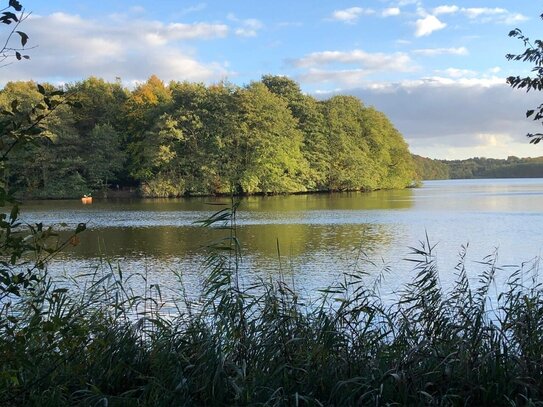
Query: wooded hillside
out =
(191, 139)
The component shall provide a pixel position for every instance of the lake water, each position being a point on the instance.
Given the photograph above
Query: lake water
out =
(319, 236)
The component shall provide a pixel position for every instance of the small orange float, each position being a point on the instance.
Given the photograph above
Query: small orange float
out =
(86, 199)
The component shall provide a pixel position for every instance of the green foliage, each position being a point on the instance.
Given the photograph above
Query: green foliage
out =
(533, 54)
(479, 167)
(389, 151)
(192, 139)
(24, 249)
(512, 167)
(427, 168)
(309, 114)
(81, 151)
(269, 144)
(162, 186)
(250, 342)
(351, 167)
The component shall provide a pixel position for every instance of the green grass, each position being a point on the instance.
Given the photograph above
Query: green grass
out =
(264, 345)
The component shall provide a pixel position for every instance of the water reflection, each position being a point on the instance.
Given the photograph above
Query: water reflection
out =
(184, 212)
(319, 235)
(259, 240)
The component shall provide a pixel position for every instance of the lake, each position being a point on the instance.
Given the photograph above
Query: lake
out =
(311, 239)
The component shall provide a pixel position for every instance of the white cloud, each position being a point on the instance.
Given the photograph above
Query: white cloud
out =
(350, 15)
(445, 10)
(459, 73)
(71, 48)
(398, 61)
(456, 118)
(348, 77)
(248, 27)
(178, 31)
(366, 64)
(514, 18)
(497, 15)
(439, 81)
(492, 139)
(441, 51)
(402, 3)
(474, 12)
(427, 25)
(391, 11)
(481, 14)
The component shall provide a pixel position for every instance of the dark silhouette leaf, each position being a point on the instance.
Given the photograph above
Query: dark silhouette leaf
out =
(24, 37)
(16, 5)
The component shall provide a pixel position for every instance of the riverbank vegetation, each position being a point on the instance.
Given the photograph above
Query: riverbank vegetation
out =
(479, 167)
(250, 342)
(191, 139)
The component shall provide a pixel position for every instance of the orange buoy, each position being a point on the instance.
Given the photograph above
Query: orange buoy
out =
(86, 199)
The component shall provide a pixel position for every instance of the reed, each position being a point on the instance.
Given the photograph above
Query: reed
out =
(262, 343)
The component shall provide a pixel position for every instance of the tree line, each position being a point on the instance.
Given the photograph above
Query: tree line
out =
(186, 138)
(479, 167)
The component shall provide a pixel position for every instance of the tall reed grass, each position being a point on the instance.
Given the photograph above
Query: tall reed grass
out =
(263, 344)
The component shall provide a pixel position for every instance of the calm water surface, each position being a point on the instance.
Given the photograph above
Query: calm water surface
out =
(319, 236)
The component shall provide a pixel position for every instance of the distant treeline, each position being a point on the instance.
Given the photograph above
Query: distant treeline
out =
(512, 167)
(192, 139)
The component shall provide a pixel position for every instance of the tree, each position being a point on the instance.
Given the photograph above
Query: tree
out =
(533, 53)
(351, 165)
(141, 111)
(389, 151)
(311, 122)
(269, 148)
(189, 138)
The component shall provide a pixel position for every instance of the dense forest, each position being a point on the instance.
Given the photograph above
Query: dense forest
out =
(193, 139)
(427, 168)
(479, 167)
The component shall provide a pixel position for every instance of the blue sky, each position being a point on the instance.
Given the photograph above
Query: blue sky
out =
(436, 68)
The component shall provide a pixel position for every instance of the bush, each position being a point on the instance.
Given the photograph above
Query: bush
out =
(163, 187)
(262, 344)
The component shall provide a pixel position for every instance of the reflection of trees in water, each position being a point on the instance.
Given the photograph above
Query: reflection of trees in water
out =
(312, 256)
(257, 240)
(314, 231)
(387, 199)
(300, 240)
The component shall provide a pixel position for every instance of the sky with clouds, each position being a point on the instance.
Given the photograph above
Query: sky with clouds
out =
(436, 68)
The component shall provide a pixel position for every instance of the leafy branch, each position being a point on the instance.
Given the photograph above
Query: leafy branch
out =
(534, 55)
(13, 19)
